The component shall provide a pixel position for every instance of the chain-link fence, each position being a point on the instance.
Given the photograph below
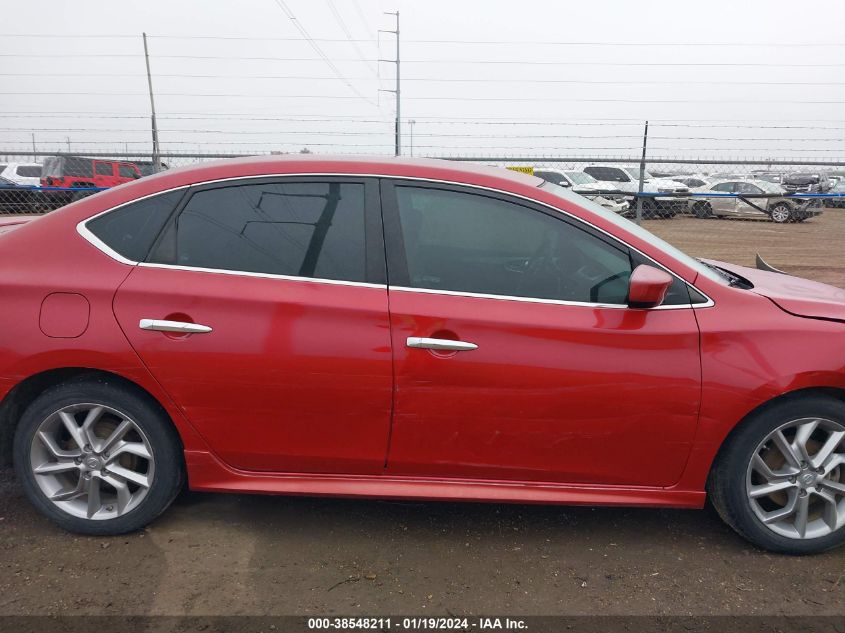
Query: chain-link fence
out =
(789, 213)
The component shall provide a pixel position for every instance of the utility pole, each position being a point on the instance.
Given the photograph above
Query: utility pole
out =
(67, 138)
(642, 177)
(34, 151)
(397, 131)
(156, 150)
(411, 124)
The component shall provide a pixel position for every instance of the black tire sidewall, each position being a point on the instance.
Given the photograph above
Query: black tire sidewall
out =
(164, 442)
(730, 474)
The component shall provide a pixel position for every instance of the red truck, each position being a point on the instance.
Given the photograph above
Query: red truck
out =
(82, 172)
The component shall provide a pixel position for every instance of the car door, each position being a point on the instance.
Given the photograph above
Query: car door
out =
(723, 204)
(262, 311)
(515, 357)
(127, 172)
(103, 173)
(743, 208)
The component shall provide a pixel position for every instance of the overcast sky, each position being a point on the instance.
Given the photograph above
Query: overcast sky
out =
(545, 78)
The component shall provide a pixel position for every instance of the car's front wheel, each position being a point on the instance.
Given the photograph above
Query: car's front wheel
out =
(781, 213)
(97, 457)
(780, 479)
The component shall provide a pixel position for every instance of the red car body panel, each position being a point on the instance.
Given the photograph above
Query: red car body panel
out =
(304, 367)
(537, 388)
(560, 404)
(797, 296)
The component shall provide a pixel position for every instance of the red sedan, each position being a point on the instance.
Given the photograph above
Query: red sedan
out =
(408, 329)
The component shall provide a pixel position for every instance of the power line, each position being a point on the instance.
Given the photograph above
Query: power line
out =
(532, 62)
(709, 44)
(265, 132)
(339, 19)
(436, 120)
(299, 27)
(424, 98)
(446, 79)
(442, 148)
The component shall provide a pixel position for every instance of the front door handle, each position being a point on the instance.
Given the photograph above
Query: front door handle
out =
(443, 344)
(183, 327)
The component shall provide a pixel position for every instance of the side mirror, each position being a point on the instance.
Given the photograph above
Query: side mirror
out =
(648, 286)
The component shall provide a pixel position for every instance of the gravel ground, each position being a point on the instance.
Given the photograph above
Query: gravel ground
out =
(235, 554)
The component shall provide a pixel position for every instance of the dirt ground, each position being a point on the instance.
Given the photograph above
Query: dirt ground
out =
(217, 554)
(814, 249)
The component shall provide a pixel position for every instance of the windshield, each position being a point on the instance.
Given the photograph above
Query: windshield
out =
(580, 178)
(631, 227)
(634, 172)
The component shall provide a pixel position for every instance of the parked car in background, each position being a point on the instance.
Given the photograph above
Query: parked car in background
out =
(806, 182)
(777, 209)
(627, 179)
(82, 172)
(692, 182)
(770, 176)
(21, 173)
(17, 198)
(147, 167)
(586, 185)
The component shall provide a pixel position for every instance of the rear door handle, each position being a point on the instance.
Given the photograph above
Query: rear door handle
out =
(159, 325)
(440, 344)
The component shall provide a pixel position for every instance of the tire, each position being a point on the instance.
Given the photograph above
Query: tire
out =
(649, 209)
(781, 214)
(129, 488)
(733, 481)
(702, 210)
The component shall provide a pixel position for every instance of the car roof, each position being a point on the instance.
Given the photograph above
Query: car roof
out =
(316, 164)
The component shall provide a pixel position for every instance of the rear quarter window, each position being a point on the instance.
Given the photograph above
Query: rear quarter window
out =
(131, 230)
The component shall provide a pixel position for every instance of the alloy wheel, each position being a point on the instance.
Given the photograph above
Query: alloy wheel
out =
(795, 482)
(780, 214)
(92, 461)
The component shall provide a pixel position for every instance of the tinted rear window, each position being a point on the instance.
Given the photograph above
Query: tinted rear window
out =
(132, 229)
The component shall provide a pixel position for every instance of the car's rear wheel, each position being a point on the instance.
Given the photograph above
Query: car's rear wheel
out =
(781, 213)
(780, 480)
(97, 458)
(702, 210)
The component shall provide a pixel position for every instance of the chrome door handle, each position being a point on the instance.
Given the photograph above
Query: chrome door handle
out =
(173, 326)
(444, 344)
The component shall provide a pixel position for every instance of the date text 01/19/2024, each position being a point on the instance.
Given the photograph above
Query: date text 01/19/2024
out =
(416, 623)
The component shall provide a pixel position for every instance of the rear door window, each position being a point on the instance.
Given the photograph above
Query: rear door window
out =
(103, 169)
(300, 229)
(127, 171)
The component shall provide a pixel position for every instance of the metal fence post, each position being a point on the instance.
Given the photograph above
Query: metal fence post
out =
(639, 218)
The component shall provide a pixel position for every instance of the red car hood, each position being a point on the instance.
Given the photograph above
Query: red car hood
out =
(793, 294)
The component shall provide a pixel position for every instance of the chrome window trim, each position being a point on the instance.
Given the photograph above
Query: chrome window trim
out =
(583, 304)
(83, 230)
(243, 273)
